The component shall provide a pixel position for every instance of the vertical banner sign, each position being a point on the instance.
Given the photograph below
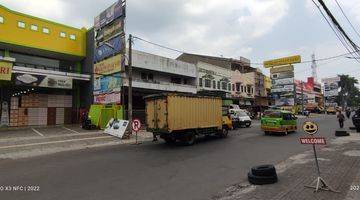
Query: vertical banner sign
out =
(109, 59)
(5, 71)
(283, 87)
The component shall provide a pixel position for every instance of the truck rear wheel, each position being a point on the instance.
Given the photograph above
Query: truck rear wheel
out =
(190, 139)
(224, 132)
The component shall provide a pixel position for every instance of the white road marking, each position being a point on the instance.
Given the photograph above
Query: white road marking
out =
(70, 130)
(53, 142)
(36, 131)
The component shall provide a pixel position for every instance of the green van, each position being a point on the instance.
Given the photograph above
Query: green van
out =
(278, 121)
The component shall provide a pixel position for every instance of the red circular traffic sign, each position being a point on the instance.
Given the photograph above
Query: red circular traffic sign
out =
(136, 125)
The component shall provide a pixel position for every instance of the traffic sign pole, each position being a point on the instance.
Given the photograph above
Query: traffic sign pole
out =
(311, 128)
(136, 125)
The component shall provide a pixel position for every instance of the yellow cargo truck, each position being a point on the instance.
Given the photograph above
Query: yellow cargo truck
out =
(184, 117)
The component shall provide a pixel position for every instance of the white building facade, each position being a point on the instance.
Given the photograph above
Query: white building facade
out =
(213, 78)
(152, 72)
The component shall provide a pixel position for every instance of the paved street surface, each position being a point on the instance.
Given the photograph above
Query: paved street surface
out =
(158, 171)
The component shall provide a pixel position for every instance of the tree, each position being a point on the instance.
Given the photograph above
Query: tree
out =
(349, 96)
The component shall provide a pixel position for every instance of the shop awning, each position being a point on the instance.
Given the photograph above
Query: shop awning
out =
(27, 70)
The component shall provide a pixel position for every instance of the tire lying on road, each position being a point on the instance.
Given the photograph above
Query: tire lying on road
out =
(262, 180)
(263, 170)
(341, 133)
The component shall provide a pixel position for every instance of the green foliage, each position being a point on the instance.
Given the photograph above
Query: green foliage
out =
(349, 93)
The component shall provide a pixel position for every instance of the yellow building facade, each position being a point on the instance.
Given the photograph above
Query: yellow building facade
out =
(28, 31)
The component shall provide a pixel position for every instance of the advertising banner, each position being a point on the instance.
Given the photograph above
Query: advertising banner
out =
(110, 14)
(282, 75)
(115, 28)
(311, 98)
(287, 68)
(107, 84)
(284, 81)
(5, 71)
(109, 66)
(282, 88)
(107, 98)
(110, 48)
(331, 86)
(43, 81)
(282, 61)
(285, 101)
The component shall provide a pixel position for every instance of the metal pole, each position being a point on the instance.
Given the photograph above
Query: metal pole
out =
(316, 161)
(302, 97)
(130, 111)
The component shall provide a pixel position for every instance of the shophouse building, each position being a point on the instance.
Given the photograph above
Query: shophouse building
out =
(43, 66)
(153, 74)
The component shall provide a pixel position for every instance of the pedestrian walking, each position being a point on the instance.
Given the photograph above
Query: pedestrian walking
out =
(348, 113)
(341, 119)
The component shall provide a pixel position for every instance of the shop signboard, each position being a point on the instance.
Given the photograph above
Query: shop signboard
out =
(46, 81)
(282, 88)
(282, 75)
(311, 98)
(285, 101)
(287, 68)
(109, 66)
(107, 98)
(110, 14)
(282, 61)
(284, 81)
(107, 84)
(114, 46)
(331, 86)
(5, 71)
(115, 28)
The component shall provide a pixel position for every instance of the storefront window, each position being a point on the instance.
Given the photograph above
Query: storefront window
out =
(214, 84)
(200, 82)
(218, 85)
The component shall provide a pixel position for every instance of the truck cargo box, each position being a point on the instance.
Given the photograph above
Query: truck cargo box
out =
(167, 113)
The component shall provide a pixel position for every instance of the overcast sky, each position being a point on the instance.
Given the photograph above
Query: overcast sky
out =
(256, 29)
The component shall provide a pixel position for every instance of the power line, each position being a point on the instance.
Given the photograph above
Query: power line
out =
(344, 43)
(342, 11)
(253, 63)
(338, 27)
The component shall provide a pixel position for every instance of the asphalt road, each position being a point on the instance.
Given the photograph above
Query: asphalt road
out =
(153, 170)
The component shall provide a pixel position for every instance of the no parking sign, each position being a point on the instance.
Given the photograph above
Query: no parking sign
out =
(136, 125)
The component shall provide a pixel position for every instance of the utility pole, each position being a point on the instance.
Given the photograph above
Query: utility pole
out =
(302, 97)
(130, 111)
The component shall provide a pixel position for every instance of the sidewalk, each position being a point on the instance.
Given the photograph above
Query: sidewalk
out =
(23, 143)
(339, 165)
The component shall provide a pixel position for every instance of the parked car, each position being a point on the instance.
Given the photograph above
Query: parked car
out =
(239, 117)
(331, 110)
(278, 121)
(356, 120)
(184, 117)
(244, 119)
